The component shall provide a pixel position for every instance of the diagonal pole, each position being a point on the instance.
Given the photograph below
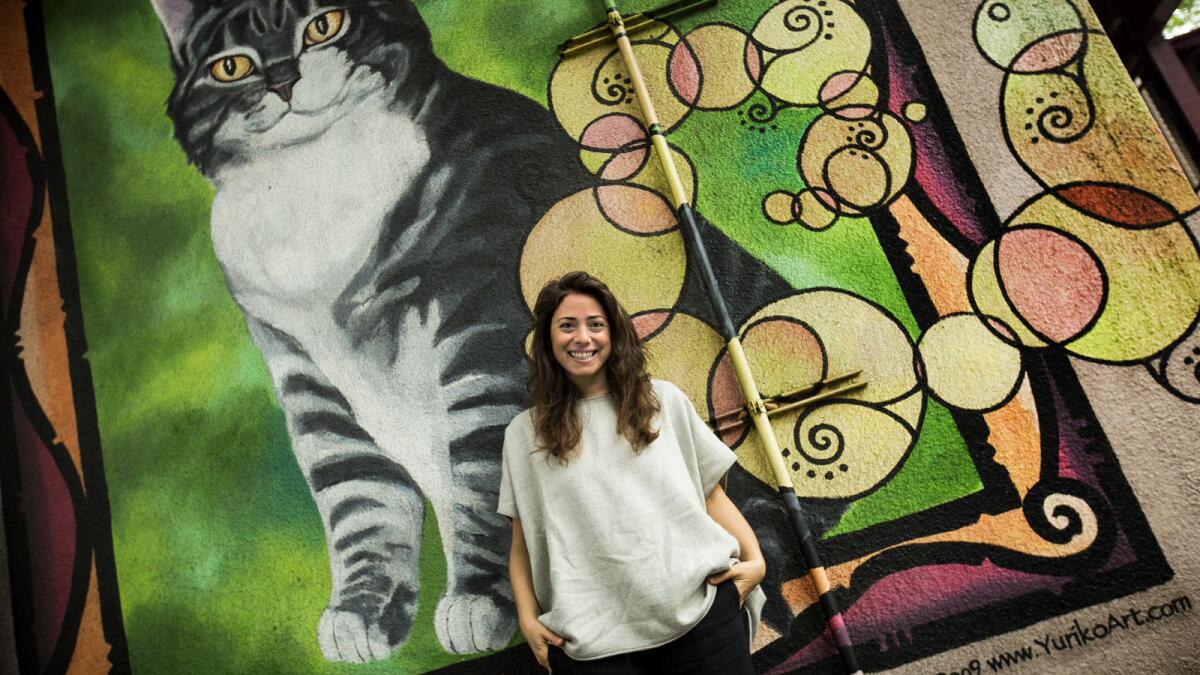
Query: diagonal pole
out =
(754, 402)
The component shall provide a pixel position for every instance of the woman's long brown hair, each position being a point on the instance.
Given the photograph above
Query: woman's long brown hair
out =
(556, 422)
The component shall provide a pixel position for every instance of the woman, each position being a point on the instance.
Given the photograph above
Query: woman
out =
(611, 482)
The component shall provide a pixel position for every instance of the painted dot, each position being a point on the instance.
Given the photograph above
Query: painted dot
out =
(786, 452)
(795, 466)
(843, 468)
(828, 475)
(915, 111)
(812, 474)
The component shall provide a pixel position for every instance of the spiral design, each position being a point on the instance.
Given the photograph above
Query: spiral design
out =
(761, 113)
(801, 19)
(872, 137)
(826, 442)
(1054, 121)
(614, 93)
(1067, 513)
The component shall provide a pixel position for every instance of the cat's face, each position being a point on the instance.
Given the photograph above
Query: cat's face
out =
(257, 75)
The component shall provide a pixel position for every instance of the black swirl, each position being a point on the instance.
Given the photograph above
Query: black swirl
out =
(1064, 521)
(614, 93)
(804, 20)
(799, 19)
(1053, 120)
(872, 137)
(825, 439)
(1064, 122)
(761, 113)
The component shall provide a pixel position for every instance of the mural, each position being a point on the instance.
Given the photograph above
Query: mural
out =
(291, 294)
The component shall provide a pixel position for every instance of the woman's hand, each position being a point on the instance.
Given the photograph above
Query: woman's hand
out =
(539, 637)
(746, 574)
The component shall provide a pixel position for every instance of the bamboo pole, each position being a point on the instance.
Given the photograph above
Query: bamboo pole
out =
(754, 403)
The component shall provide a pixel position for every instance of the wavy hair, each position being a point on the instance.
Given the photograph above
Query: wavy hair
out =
(556, 422)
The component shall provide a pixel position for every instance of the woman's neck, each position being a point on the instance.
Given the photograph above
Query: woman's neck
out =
(592, 387)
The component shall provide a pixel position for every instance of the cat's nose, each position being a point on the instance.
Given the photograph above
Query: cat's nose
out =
(284, 88)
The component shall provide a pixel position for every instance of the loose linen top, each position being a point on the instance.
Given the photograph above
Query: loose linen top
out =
(620, 544)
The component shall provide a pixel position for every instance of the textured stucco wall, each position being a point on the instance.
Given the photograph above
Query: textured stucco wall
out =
(238, 339)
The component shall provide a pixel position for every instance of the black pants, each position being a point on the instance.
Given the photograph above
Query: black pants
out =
(719, 644)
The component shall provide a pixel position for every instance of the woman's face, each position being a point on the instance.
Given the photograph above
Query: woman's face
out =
(580, 341)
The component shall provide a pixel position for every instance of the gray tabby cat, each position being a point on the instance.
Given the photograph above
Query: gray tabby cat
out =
(370, 211)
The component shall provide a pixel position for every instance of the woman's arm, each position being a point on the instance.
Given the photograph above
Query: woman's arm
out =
(750, 570)
(521, 575)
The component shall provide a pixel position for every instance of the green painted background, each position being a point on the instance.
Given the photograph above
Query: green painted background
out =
(220, 554)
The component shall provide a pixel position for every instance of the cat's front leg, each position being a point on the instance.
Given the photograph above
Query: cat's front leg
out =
(477, 612)
(371, 508)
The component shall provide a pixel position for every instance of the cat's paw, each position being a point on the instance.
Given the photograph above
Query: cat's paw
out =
(346, 636)
(468, 624)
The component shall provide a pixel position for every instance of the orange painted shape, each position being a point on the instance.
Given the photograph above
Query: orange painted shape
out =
(941, 268)
(43, 344)
(1014, 433)
(16, 74)
(91, 649)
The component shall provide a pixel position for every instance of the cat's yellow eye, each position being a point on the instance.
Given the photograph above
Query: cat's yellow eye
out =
(324, 27)
(231, 68)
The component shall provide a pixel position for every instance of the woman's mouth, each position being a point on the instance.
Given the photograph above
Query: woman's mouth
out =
(582, 356)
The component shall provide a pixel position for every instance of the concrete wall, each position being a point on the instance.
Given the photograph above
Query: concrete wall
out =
(263, 346)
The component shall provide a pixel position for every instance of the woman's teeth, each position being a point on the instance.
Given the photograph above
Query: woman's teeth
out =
(582, 356)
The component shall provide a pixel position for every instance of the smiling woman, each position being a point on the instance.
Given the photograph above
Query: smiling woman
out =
(600, 575)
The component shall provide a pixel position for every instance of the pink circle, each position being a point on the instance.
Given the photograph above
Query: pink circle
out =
(1054, 282)
(725, 395)
(684, 72)
(854, 112)
(1049, 53)
(612, 132)
(647, 323)
(624, 164)
(753, 62)
(826, 197)
(635, 209)
(838, 84)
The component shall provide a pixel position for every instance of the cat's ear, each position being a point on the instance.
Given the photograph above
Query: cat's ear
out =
(176, 17)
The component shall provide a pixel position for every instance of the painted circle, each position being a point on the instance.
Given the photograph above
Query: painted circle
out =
(1053, 281)
(966, 365)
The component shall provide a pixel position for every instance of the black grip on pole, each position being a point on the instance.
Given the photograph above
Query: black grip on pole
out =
(691, 233)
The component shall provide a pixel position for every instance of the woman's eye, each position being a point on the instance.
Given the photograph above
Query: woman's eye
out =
(231, 68)
(324, 28)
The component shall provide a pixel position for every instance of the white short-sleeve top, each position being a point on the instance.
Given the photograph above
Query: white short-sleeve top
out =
(620, 543)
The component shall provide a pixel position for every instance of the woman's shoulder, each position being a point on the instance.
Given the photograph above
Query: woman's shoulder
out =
(666, 391)
(521, 425)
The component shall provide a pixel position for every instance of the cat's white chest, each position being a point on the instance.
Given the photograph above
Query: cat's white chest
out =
(298, 222)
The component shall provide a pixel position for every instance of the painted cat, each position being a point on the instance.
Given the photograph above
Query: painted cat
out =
(370, 209)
